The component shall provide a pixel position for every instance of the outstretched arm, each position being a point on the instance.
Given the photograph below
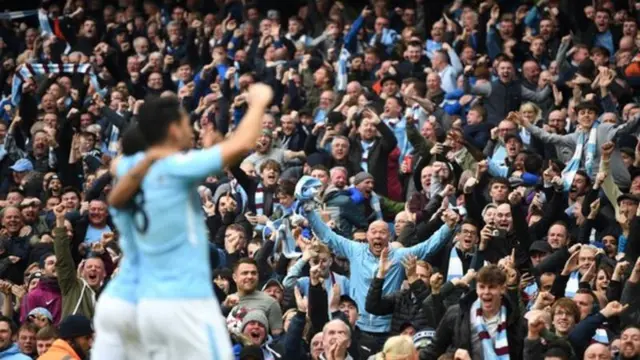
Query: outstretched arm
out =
(198, 164)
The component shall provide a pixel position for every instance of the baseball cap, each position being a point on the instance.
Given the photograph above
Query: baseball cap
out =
(22, 165)
(629, 196)
(74, 326)
(40, 311)
(272, 282)
(348, 299)
(540, 246)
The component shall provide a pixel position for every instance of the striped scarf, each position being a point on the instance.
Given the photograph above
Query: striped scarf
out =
(492, 349)
(28, 71)
(530, 293)
(572, 285)
(456, 269)
(342, 75)
(573, 166)
(366, 147)
(15, 15)
(375, 205)
(46, 29)
(237, 189)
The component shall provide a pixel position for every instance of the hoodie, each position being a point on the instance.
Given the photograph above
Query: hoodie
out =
(13, 353)
(59, 350)
(47, 295)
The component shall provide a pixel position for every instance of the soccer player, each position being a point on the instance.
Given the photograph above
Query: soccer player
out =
(117, 335)
(178, 316)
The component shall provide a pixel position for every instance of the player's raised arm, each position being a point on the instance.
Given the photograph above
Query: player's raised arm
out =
(198, 164)
(250, 128)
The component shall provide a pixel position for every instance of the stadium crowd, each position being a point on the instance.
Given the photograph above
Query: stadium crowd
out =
(474, 172)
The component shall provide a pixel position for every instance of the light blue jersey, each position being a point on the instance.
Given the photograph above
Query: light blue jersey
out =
(174, 250)
(125, 285)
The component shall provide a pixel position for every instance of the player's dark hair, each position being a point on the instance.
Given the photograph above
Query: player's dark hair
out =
(156, 116)
(133, 141)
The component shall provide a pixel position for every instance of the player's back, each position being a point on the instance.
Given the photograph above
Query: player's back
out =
(174, 248)
(125, 284)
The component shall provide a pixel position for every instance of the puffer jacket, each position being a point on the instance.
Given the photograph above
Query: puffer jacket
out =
(60, 350)
(405, 305)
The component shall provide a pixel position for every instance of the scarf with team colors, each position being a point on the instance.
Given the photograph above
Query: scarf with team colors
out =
(492, 349)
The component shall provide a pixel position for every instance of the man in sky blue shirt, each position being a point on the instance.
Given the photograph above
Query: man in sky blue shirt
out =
(364, 260)
(178, 316)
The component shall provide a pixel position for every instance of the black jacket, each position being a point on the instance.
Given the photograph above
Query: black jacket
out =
(378, 158)
(405, 305)
(454, 331)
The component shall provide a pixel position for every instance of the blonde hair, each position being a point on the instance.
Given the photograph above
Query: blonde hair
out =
(398, 348)
(534, 107)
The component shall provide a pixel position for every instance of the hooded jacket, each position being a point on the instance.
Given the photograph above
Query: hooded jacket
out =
(13, 353)
(60, 350)
(47, 295)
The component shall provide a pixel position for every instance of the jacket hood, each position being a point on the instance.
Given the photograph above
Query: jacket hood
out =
(49, 284)
(11, 350)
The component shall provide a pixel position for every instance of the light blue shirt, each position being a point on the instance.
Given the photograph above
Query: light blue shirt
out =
(174, 251)
(94, 234)
(124, 285)
(364, 266)
(400, 131)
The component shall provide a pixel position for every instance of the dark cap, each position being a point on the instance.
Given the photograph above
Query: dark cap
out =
(335, 117)
(510, 136)
(348, 299)
(588, 105)
(540, 246)
(629, 196)
(74, 326)
(389, 77)
(273, 282)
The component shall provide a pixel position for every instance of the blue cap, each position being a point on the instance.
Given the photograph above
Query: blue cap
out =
(22, 165)
(42, 312)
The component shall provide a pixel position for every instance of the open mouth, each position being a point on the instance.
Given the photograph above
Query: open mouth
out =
(377, 246)
(92, 277)
(255, 335)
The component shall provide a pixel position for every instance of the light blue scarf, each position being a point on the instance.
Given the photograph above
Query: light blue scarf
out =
(573, 166)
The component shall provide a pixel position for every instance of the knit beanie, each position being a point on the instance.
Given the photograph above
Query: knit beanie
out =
(256, 315)
(361, 176)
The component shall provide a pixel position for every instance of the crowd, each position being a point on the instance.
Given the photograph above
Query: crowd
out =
(435, 179)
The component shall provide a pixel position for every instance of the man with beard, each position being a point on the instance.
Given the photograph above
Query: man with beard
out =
(78, 293)
(630, 343)
(47, 293)
(75, 342)
(17, 244)
(8, 349)
(30, 208)
(485, 321)
(375, 328)
(40, 155)
(245, 275)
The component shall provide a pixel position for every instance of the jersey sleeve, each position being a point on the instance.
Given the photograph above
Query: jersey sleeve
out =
(195, 164)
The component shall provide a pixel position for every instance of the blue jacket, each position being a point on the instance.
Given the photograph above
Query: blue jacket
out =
(364, 266)
(13, 353)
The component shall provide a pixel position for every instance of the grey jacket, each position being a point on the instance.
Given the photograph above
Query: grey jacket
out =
(606, 132)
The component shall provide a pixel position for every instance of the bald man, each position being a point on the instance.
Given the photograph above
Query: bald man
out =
(365, 260)
(597, 351)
